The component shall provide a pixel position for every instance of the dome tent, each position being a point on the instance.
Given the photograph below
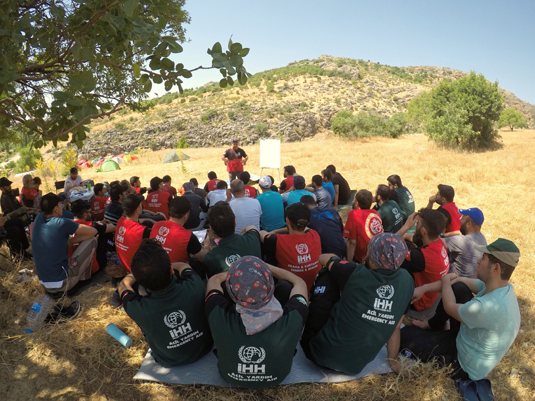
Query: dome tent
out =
(109, 165)
(172, 157)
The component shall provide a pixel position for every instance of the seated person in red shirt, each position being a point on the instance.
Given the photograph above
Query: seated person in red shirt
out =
(363, 223)
(211, 185)
(158, 199)
(288, 182)
(167, 186)
(105, 233)
(136, 183)
(129, 232)
(178, 242)
(172, 317)
(131, 189)
(250, 192)
(99, 202)
(28, 193)
(299, 250)
(428, 259)
(444, 197)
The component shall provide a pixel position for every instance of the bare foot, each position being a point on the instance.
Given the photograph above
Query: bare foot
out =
(423, 324)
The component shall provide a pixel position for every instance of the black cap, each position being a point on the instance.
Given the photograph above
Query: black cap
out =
(4, 182)
(131, 203)
(298, 214)
(299, 179)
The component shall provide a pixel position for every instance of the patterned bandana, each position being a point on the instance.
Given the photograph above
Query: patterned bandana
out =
(387, 251)
(250, 284)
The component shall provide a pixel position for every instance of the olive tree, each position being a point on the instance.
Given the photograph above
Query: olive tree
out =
(512, 118)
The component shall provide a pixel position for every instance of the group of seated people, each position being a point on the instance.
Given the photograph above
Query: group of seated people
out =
(280, 267)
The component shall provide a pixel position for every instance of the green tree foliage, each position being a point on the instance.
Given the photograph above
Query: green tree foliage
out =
(461, 113)
(28, 159)
(361, 125)
(512, 118)
(66, 62)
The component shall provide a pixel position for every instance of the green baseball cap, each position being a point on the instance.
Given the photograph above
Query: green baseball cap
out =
(502, 249)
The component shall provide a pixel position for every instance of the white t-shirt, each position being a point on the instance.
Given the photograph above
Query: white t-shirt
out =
(215, 196)
(70, 183)
(247, 212)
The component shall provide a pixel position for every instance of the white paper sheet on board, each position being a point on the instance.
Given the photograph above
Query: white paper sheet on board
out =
(270, 153)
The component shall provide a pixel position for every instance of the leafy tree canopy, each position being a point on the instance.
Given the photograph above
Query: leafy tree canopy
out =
(460, 113)
(512, 118)
(66, 62)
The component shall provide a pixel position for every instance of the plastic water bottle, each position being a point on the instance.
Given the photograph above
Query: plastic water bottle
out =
(41, 307)
(88, 187)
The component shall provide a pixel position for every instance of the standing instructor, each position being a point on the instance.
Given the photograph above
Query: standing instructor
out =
(235, 158)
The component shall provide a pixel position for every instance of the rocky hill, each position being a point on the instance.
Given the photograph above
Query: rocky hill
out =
(291, 103)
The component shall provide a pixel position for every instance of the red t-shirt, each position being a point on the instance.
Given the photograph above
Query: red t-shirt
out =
(138, 190)
(128, 237)
(170, 189)
(29, 193)
(94, 265)
(437, 264)
(212, 184)
(158, 201)
(300, 255)
(362, 225)
(250, 192)
(174, 239)
(289, 183)
(98, 207)
(455, 224)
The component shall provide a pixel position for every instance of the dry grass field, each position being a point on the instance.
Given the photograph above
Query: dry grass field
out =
(79, 361)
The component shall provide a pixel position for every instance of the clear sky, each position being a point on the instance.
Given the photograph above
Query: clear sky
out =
(494, 38)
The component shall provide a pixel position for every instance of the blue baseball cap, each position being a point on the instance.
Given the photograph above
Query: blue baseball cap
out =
(475, 214)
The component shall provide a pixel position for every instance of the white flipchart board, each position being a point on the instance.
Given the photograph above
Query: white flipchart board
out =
(270, 153)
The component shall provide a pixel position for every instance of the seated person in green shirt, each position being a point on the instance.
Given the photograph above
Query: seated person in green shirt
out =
(171, 316)
(254, 334)
(355, 309)
(404, 196)
(230, 246)
(388, 209)
(482, 327)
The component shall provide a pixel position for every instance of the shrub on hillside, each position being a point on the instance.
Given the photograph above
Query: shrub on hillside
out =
(347, 124)
(209, 115)
(261, 128)
(28, 159)
(182, 143)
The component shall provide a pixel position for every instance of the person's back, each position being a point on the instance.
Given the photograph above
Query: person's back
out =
(272, 206)
(328, 224)
(344, 191)
(463, 255)
(391, 216)
(247, 212)
(172, 317)
(197, 204)
(405, 202)
(215, 196)
(174, 238)
(323, 197)
(295, 195)
(158, 201)
(361, 226)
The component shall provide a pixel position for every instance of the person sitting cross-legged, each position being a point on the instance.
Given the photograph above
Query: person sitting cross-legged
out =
(482, 327)
(255, 336)
(172, 315)
(355, 309)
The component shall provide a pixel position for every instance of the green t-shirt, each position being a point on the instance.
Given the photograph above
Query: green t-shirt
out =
(490, 325)
(405, 202)
(173, 320)
(231, 249)
(362, 321)
(391, 216)
(260, 360)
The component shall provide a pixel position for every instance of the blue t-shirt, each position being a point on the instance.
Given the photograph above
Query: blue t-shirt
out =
(328, 224)
(329, 186)
(490, 325)
(49, 247)
(295, 196)
(272, 217)
(68, 214)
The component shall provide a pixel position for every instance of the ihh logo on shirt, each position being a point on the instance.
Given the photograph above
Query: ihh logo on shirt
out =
(120, 236)
(251, 358)
(176, 320)
(303, 256)
(162, 233)
(382, 303)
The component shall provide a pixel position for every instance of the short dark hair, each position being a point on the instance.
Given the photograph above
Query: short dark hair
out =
(79, 207)
(73, 170)
(364, 199)
(179, 206)
(395, 179)
(433, 221)
(393, 196)
(308, 200)
(384, 192)
(166, 178)
(151, 265)
(115, 193)
(124, 183)
(222, 219)
(289, 169)
(245, 177)
(327, 174)
(331, 168)
(97, 188)
(49, 202)
(212, 175)
(505, 270)
(37, 180)
(221, 185)
(133, 180)
(194, 181)
(447, 192)
(317, 180)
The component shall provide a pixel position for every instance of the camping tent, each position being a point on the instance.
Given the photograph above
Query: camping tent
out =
(117, 159)
(109, 165)
(172, 157)
(98, 163)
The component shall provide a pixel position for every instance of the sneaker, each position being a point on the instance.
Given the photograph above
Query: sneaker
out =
(115, 299)
(53, 316)
(71, 311)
